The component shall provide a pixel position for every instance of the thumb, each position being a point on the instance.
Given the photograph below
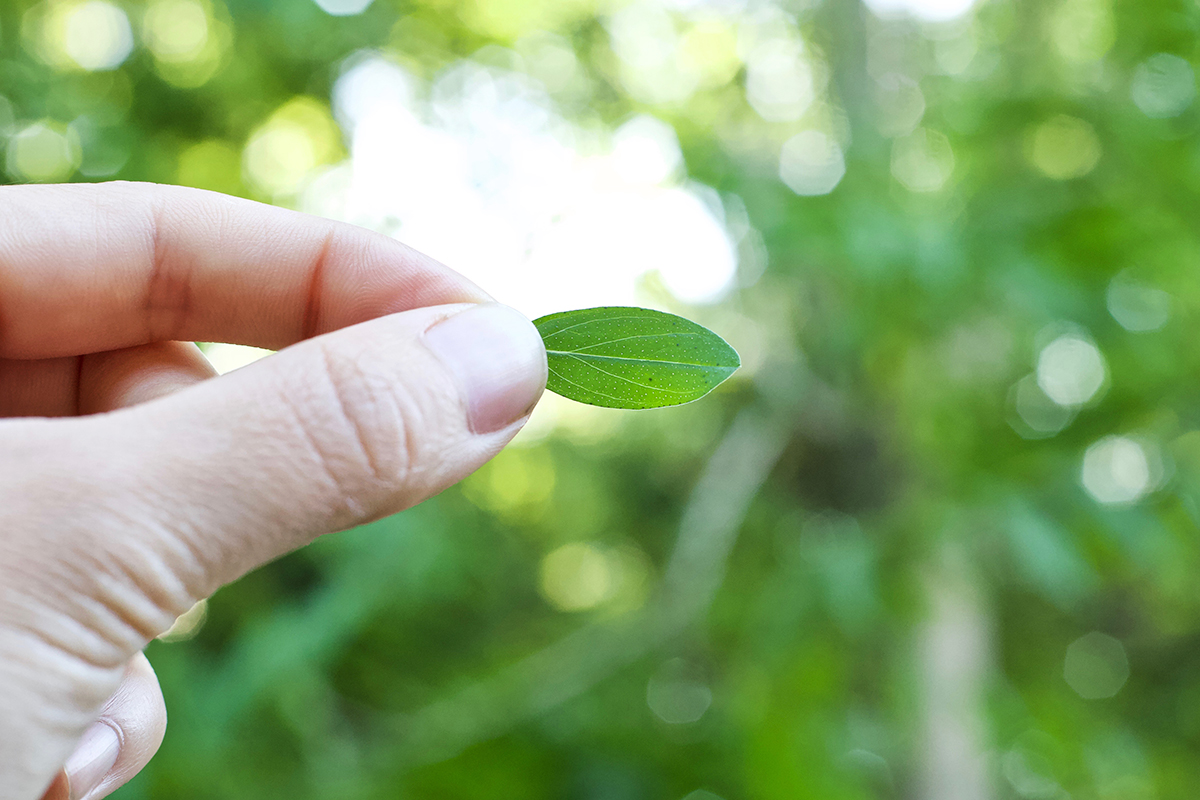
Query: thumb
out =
(332, 432)
(147, 509)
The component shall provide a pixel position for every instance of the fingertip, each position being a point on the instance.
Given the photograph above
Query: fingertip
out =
(498, 361)
(60, 788)
(93, 759)
(122, 378)
(122, 741)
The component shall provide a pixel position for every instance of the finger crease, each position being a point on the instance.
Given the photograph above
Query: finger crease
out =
(366, 451)
(169, 289)
(78, 385)
(343, 497)
(316, 276)
(2, 322)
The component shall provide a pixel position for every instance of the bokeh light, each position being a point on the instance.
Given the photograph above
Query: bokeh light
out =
(1163, 86)
(92, 35)
(550, 59)
(42, 152)
(1070, 370)
(1096, 666)
(711, 46)
(955, 55)
(900, 104)
(653, 68)
(285, 150)
(1064, 147)
(518, 485)
(1083, 31)
(811, 163)
(175, 30)
(189, 39)
(1118, 470)
(213, 164)
(1137, 307)
(371, 84)
(581, 576)
(577, 577)
(923, 161)
(1037, 415)
(1029, 772)
(97, 36)
(677, 695)
(780, 83)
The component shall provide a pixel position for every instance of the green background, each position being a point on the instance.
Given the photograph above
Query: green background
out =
(870, 565)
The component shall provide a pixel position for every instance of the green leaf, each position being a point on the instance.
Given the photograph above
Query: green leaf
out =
(621, 357)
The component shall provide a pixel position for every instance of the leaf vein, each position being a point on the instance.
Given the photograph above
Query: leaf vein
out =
(627, 380)
(550, 336)
(589, 390)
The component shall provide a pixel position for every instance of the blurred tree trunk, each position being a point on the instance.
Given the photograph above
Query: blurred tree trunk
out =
(954, 659)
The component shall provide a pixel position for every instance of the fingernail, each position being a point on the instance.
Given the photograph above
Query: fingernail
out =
(92, 759)
(498, 360)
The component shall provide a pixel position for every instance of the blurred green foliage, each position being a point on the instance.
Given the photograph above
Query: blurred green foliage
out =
(937, 540)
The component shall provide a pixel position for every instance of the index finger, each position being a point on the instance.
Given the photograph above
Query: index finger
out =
(92, 267)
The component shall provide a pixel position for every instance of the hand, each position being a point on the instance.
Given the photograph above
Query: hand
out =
(131, 486)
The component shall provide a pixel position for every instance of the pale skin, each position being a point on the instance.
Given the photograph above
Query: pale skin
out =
(133, 482)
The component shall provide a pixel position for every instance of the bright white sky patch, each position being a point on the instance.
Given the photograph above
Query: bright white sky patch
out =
(371, 85)
(688, 246)
(646, 151)
(343, 8)
(931, 10)
(485, 176)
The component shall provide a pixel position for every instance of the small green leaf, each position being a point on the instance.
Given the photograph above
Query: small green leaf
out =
(621, 357)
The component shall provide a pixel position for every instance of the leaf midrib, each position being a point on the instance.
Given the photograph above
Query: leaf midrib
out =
(651, 362)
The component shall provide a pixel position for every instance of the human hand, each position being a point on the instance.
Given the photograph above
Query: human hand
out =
(131, 486)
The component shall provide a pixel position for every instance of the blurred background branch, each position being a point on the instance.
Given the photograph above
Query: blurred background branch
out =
(711, 520)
